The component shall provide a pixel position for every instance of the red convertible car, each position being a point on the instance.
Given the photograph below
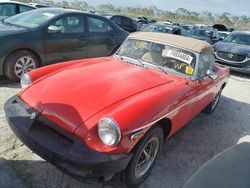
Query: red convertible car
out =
(100, 117)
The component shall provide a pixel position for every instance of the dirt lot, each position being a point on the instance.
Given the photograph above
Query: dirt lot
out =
(182, 155)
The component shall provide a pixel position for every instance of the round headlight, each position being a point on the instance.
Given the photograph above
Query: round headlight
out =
(109, 132)
(25, 80)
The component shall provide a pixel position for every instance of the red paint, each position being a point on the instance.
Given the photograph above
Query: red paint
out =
(78, 94)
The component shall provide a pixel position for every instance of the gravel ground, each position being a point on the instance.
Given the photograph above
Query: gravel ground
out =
(184, 153)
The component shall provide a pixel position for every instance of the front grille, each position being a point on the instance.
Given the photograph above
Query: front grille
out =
(231, 56)
(42, 130)
(231, 65)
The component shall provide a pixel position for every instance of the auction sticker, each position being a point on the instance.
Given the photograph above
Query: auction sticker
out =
(189, 70)
(180, 56)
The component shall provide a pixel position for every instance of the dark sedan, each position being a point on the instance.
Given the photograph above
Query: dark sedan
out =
(126, 23)
(234, 51)
(162, 28)
(49, 35)
(209, 35)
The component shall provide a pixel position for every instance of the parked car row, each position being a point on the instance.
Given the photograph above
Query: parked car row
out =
(84, 34)
(235, 55)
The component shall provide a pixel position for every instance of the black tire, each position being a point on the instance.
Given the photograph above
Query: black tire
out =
(212, 106)
(13, 60)
(129, 177)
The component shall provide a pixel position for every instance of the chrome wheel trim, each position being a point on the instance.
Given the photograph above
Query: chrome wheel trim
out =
(216, 100)
(146, 157)
(24, 65)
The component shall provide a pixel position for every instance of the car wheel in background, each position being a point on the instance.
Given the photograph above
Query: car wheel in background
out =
(18, 63)
(212, 106)
(144, 157)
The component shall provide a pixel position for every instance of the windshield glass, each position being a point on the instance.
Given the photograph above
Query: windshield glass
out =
(173, 59)
(31, 19)
(202, 32)
(239, 38)
(223, 35)
(157, 28)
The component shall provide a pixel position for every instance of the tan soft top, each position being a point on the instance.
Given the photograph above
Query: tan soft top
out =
(175, 40)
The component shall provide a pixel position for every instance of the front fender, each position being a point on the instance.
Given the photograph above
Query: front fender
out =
(131, 114)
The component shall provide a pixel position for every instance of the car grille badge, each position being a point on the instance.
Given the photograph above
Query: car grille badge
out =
(33, 115)
(230, 56)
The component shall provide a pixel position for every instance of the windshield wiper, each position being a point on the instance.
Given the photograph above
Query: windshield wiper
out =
(150, 64)
(162, 69)
(141, 62)
(131, 62)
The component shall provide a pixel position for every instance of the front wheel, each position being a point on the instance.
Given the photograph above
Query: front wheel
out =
(18, 63)
(144, 157)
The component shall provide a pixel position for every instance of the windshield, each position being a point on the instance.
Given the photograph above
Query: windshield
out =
(239, 38)
(202, 32)
(157, 28)
(31, 19)
(223, 35)
(173, 59)
(186, 27)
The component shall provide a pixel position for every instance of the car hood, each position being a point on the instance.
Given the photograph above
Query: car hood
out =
(72, 95)
(234, 48)
(6, 29)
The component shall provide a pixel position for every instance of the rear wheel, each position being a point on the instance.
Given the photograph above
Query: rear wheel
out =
(18, 63)
(212, 106)
(144, 157)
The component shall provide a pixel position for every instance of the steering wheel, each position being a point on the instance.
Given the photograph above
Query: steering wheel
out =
(169, 63)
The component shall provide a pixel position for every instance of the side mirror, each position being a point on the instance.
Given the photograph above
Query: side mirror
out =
(211, 74)
(54, 29)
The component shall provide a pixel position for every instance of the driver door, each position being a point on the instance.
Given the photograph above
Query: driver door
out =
(68, 42)
(206, 87)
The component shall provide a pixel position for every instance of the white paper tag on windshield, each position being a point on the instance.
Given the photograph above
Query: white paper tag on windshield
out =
(180, 56)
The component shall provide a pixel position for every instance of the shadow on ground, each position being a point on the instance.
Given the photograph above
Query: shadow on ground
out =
(239, 74)
(199, 141)
(9, 84)
(183, 154)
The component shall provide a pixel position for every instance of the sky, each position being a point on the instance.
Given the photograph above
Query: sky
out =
(235, 7)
